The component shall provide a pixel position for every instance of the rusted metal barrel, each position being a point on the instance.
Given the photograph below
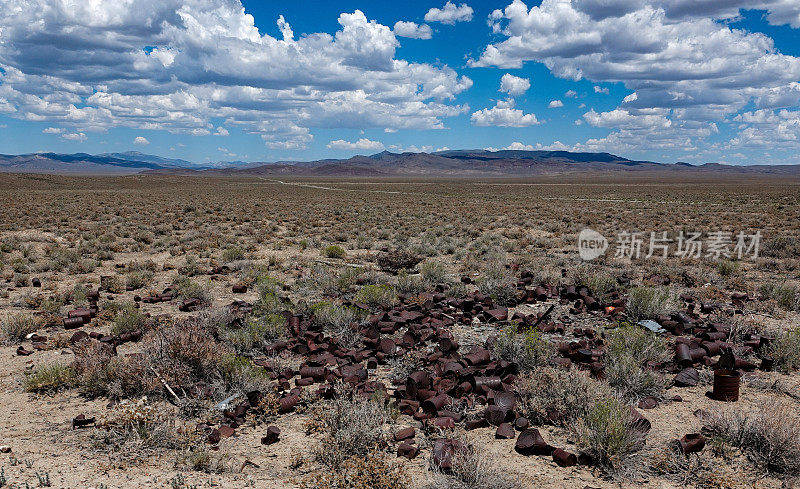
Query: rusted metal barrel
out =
(726, 385)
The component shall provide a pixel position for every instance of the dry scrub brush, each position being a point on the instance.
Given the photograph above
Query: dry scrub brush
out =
(351, 450)
(769, 436)
(528, 349)
(556, 396)
(472, 468)
(632, 352)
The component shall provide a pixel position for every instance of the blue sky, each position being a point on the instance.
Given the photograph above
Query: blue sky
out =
(210, 80)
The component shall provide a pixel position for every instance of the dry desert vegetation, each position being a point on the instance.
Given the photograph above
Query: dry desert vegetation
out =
(186, 332)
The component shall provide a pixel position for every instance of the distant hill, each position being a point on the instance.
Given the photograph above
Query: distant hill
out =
(457, 163)
(465, 163)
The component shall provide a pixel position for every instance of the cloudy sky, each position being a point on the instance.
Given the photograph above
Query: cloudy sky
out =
(209, 80)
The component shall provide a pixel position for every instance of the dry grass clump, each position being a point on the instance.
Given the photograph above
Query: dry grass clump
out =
(472, 469)
(499, 285)
(340, 321)
(786, 350)
(554, 396)
(787, 296)
(631, 352)
(377, 296)
(352, 425)
(15, 327)
(128, 319)
(769, 436)
(693, 470)
(528, 349)
(350, 452)
(649, 302)
(50, 378)
(372, 471)
(607, 434)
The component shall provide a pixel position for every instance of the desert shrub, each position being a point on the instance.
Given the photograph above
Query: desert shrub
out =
(190, 266)
(632, 340)
(15, 327)
(497, 284)
(786, 350)
(472, 468)
(631, 381)
(333, 251)
(528, 349)
(726, 268)
(695, 470)
(185, 288)
(338, 320)
(139, 278)
(234, 253)
(352, 426)
(238, 375)
(409, 284)
(433, 272)
(382, 296)
(268, 301)
(183, 353)
(374, 471)
(136, 430)
(630, 350)
(768, 435)
(649, 302)
(87, 265)
(252, 334)
(98, 372)
(607, 434)
(786, 295)
(330, 282)
(50, 378)
(549, 395)
(128, 319)
(398, 259)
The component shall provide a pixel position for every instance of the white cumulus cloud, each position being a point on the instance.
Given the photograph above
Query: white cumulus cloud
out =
(412, 30)
(141, 141)
(554, 104)
(450, 13)
(503, 114)
(514, 85)
(206, 60)
(362, 143)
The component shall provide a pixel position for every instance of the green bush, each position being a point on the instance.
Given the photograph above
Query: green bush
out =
(138, 279)
(128, 319)
(528, 349)
(607, 434)
(251, 335)
(433, 272)
(549, 395)
(50, 378)
(787, 296)
(649, 302)
(337, 320)
(233, 253)
(630, 349)
(785, 350)
(14, 328)
(334, 251)
(383, 296)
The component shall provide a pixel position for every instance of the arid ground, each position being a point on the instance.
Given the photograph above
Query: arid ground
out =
(205, 312)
